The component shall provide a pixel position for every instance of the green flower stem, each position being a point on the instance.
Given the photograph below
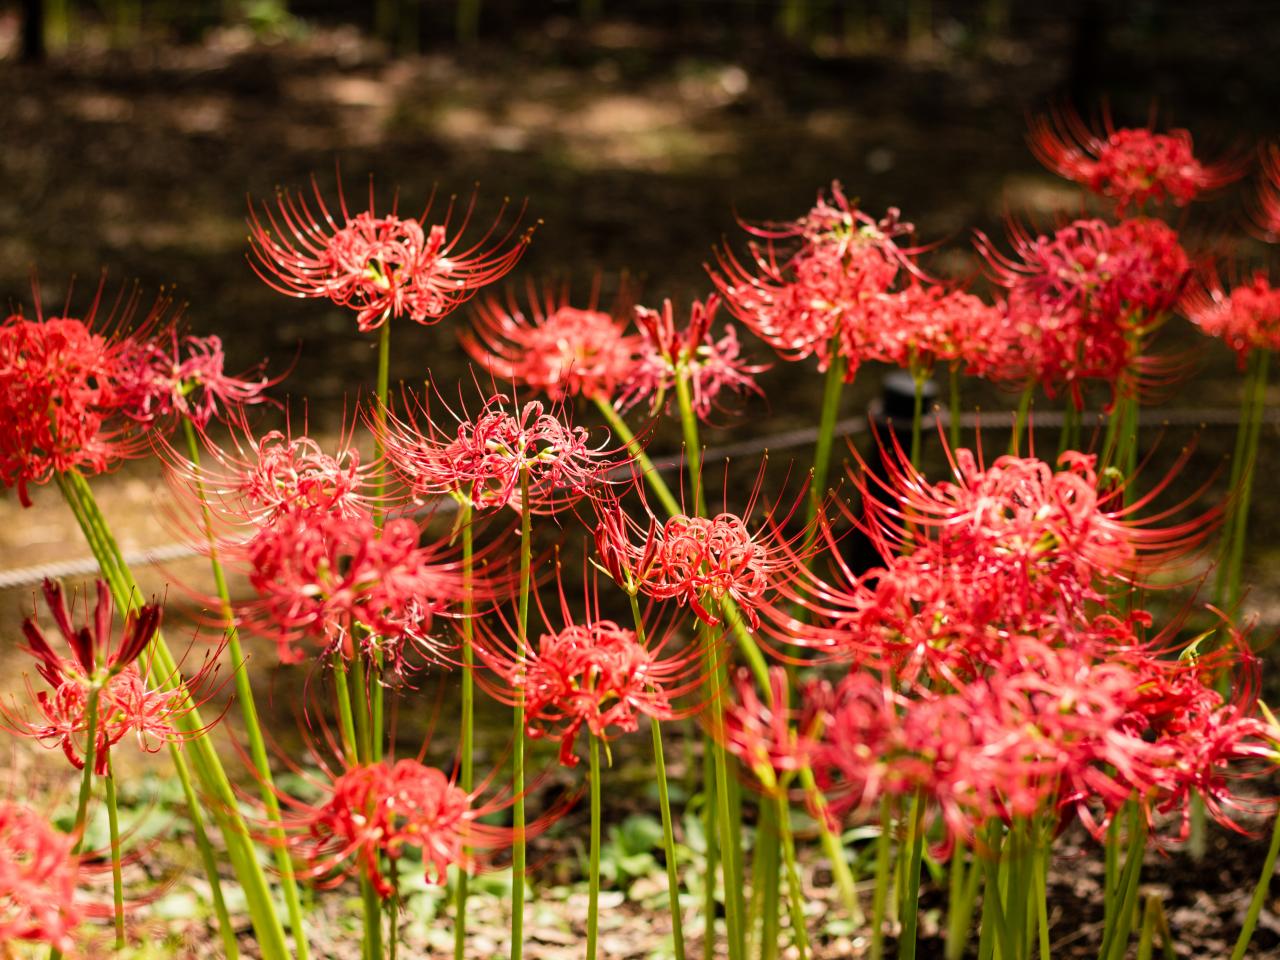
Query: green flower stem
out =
(664, 803)
(593, 880)
(466, 774)
(995, 927)
(117, 880)
(953, 418)
(764, 886)
(692, 446)
(833, 848)
(1115, 942)
(162, 665)
(919, 377)
(347, 729)
(360, 706)
(1111, 872)
(794, 889)
(962, 892)
(910, 910)
(1041, 894)
(249, 712)
(1069, 438)
(1260, 894)
(226, 930)
(375, 692)
(1022, 416)
(832, 389)
(518, 852)
(86, 777)
(1220, 589)
(636, 449)
(1249, 470)
(880, 897)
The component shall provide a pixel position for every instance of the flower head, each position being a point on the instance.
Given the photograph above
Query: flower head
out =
(699, 561)
(709, 366)
(1131, 165)
(553, 347)
(170, 376)
(1246, 318)
(103, 682)
(382, 267)
(38, 877)
(376, 811)
(808, 298)
(339, 581)
(485, 460)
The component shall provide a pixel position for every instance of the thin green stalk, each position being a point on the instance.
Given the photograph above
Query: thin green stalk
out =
(910, 911)
(375, 691)
(832, 389)
(360, 706)
(1115, 940)
(1069, 437)
(1227, 534)
(795, 891)
(117, 879)
(226, 930)
(962, 891)
(953, 417)
(1041, 893)
(880, 898)
(467, 773)
(764, 886)
(593, 879)
(833, 848)
(86, 777)
(1260, 894)
(517, 749)
(1259, 386)
(917, 416)
(1020, 419)
(692, 446)
(199, 748)
(713, 848)
(636, 449)
(1148, 932)
(664, 804)
(347, 728)
(1111, 871)
(249, 712)
(994, 917)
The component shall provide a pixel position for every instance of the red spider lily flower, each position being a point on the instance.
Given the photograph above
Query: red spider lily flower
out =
(553, 347)
(591, 672)
(171, 376)
(38, 878)
(1246, 318)
(377, 811)
(774, 741)
(128, 704)
(1019, 547)
(482, 461)
(249, 480)
(701, 562)
(811, 301)
(1082, 302)
(1130, 165)
(1265, 214)
(708, 365)
(337, 580)
(923, 324)
(382, 267)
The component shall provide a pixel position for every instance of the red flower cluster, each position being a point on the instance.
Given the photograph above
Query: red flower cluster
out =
(1247, 318)
(127, 702)
(666, 355)
(170, 376)
(1049, 729)
(695, 561)
(382, 267)
(483, 461)
(38, 877)
(1082, 302)
(814, 301)
(554, 348)
(57, 398)
(595, 674)
(1132, 166)
(378, 810)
